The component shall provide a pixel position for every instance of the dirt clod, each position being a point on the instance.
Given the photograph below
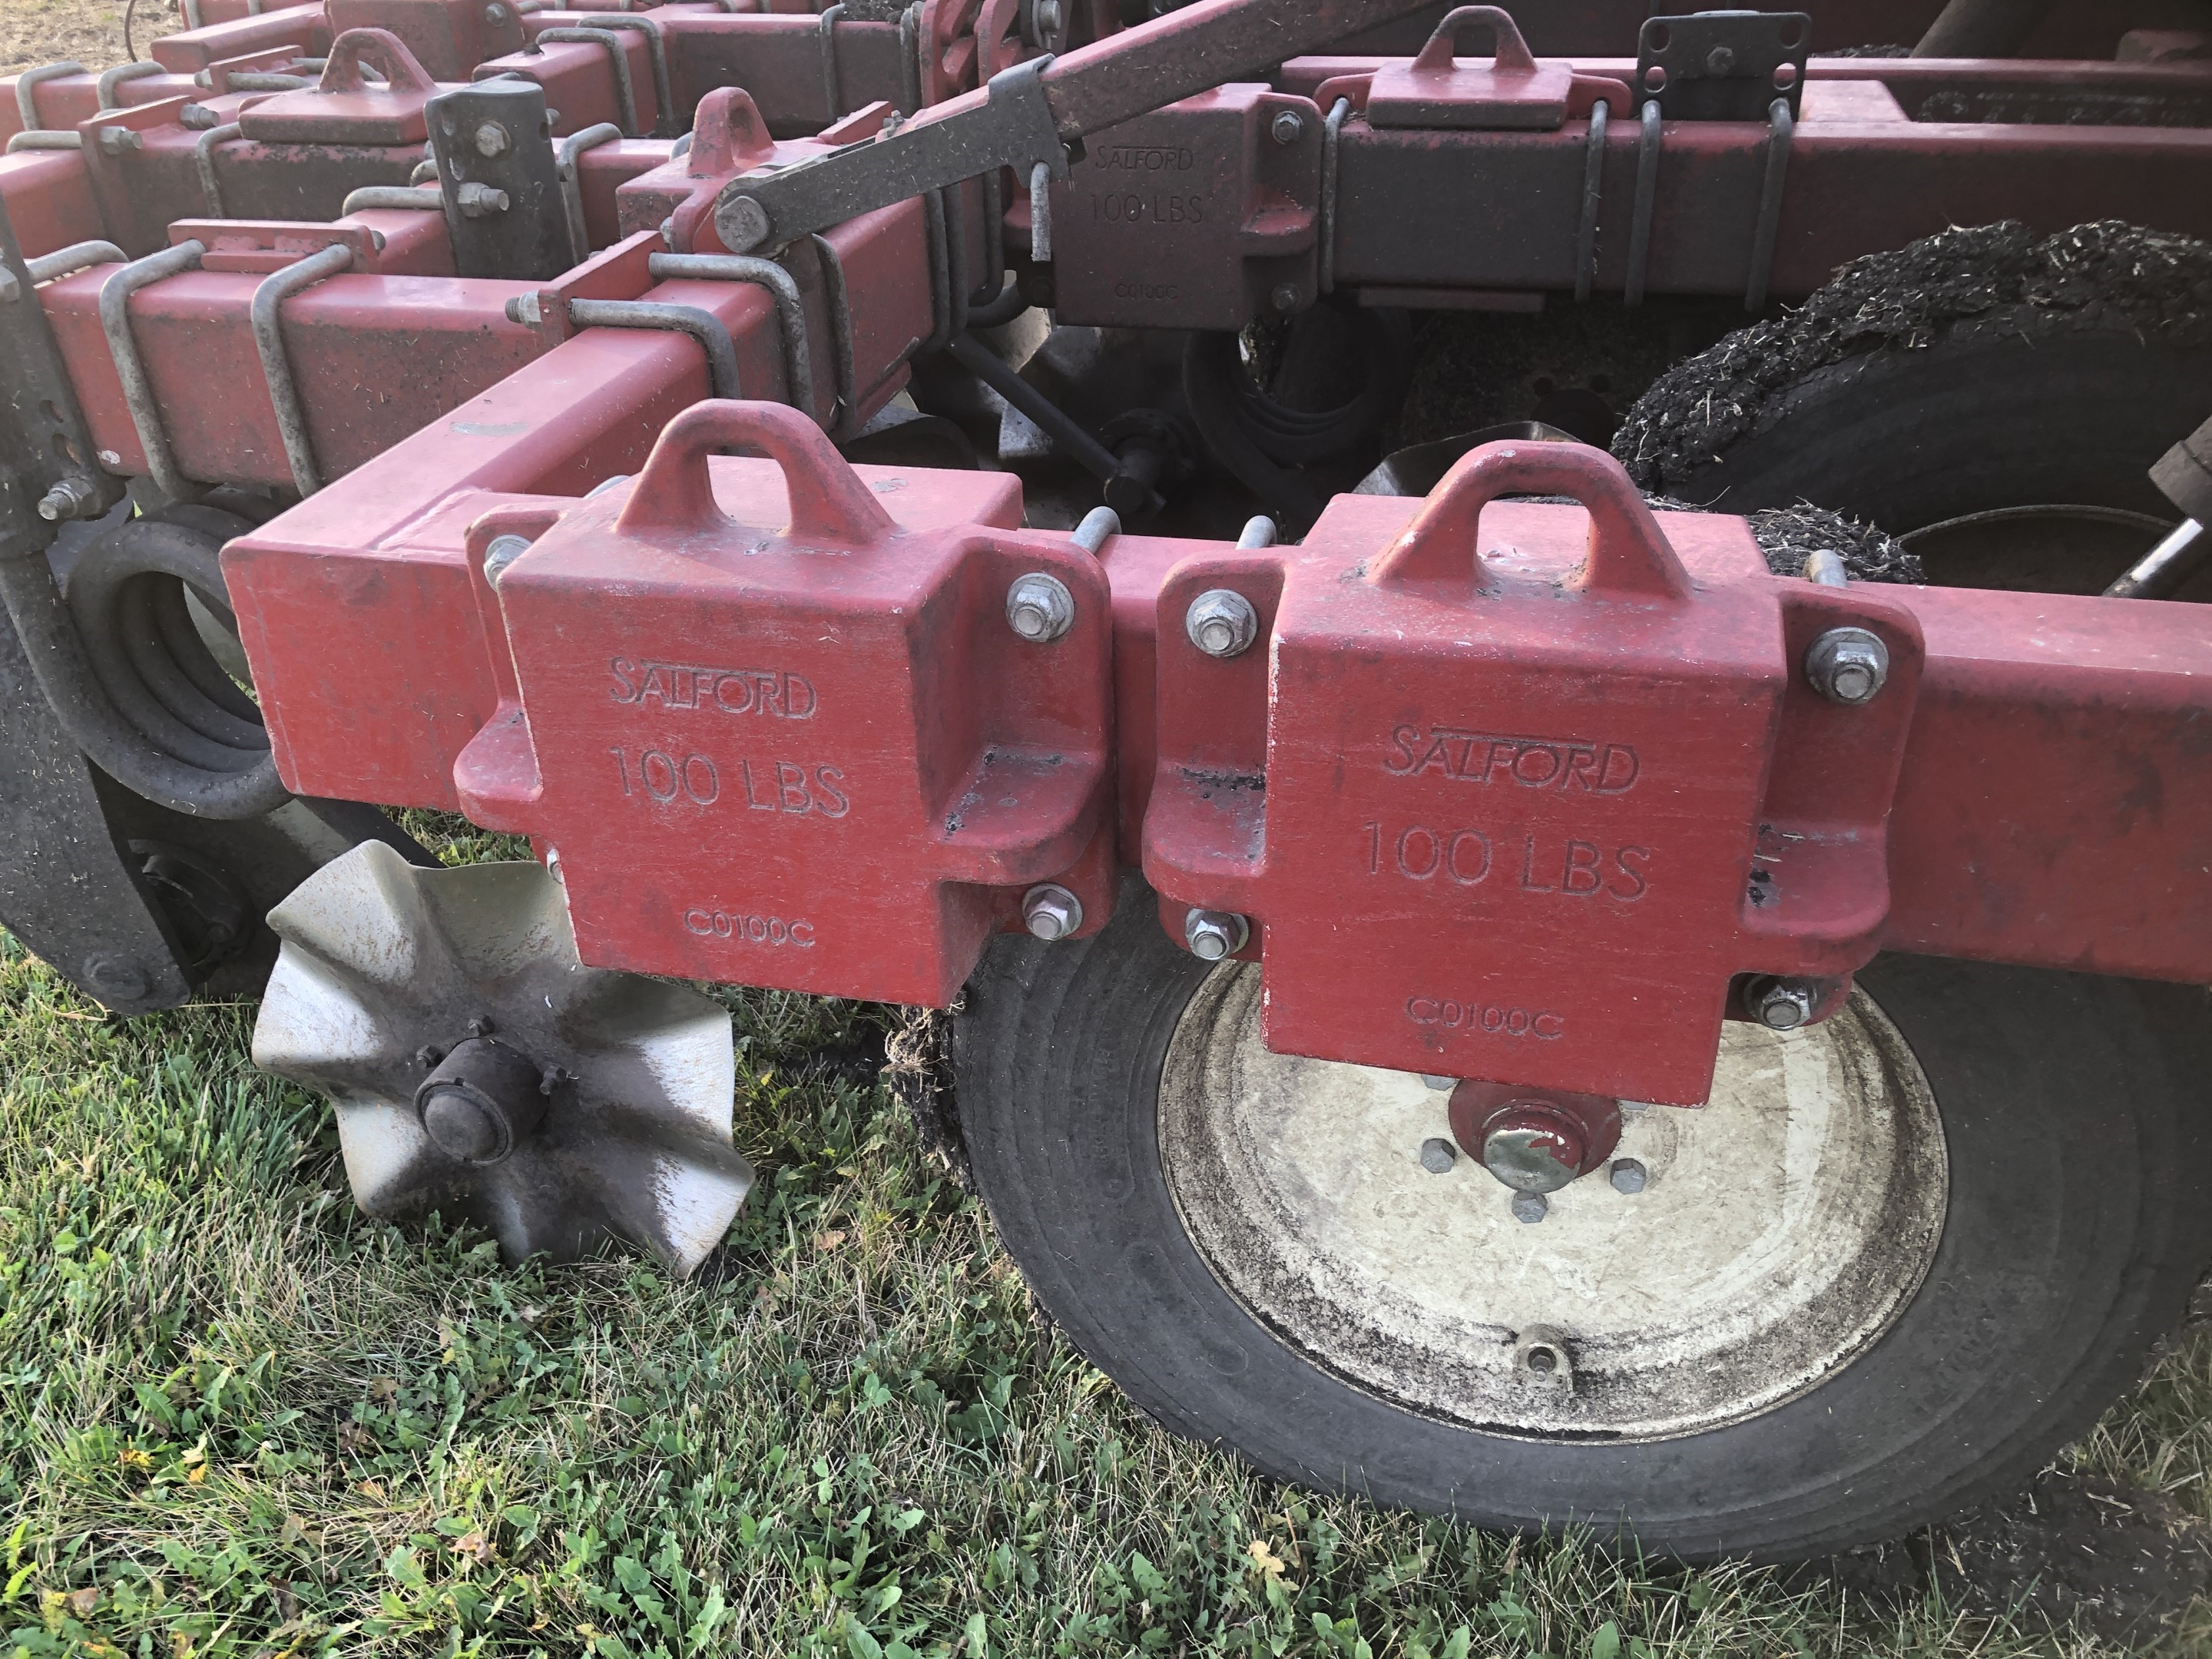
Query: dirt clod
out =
(2101, 275)
(2117, 1560)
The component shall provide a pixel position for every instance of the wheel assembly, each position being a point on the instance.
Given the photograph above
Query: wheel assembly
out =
(1994, 399)
(1903, 1255)
(475, 1064)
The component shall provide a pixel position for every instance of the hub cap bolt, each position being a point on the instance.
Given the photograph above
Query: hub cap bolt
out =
(1288, 128)
(1783, 1005)
(1847, 665)
(1438, 1155)
(492, 139)
(1628, 1176)
(1221, 622)
(1040, 608)
(1214, 934)
(1530, 1206)
(1050, 911)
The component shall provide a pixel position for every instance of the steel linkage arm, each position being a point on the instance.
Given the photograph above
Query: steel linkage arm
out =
(1027, 115)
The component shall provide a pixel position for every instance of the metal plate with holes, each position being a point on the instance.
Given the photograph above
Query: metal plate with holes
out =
(1723, 66)
(1776, 1234)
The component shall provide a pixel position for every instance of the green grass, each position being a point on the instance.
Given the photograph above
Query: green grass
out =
(238, 1417)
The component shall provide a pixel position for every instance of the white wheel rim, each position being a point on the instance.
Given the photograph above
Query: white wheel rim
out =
(1782, 1228)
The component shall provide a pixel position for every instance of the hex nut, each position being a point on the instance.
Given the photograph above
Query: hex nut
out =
(1214, 935)
(1438, 1155)
(492, 140)
(503, 551)
(1628, 1176)
(1050, 911)
(1221, 622)
(1783, 1005)
(1847, 665)
(1530, 1208)
(1288, 128)
(1286, 297)
(1039, 607)
(494, 14)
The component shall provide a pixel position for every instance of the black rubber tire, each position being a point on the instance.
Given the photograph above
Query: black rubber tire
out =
(2075, 1113)
(2026, 406)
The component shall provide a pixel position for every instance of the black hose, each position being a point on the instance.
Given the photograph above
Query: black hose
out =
(128, 685)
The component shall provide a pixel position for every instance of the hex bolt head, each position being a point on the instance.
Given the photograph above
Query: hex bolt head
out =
(1050, 911)
(1530, 1208)
(1627, 1175)
(494, 14)
(1221, 622)
(742, 223)
(1847, 665)
(1286, 297)
(1288, 127)
(1783, 1005)
(1214, 935)
(1039, 607)
(1438, 1155)
(492, 140)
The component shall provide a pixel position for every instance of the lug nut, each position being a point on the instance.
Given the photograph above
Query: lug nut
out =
(1847, 665)
(1530, 1208)
(1438, 1155)
(1214, 935)
(492, 140)
(1783, 1005)
(1221, 622)
(1288, 127)
(1040, 608)
(1627, 1175)
(1443, 1085)
(1050, 911)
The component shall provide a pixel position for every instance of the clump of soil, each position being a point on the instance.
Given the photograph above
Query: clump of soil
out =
(2101, 275)
(2117, 1560)
(2114, 1561)
(1789, 535)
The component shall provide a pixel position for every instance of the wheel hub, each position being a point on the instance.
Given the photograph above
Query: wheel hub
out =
(482, 1099)
(1533, 1141)
(1744, 1252)
(582, 1104)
